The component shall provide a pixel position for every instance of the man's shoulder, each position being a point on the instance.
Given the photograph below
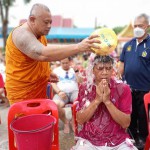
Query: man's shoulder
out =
(22, 34)
(71, 70)
(57, 69)
(121, 86)
(148, 39)
(130, 42)
(119, 82)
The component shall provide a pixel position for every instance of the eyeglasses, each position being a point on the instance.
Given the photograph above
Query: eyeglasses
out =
(101, 68)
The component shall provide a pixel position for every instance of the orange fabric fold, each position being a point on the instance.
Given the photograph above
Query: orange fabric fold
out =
(25, 78)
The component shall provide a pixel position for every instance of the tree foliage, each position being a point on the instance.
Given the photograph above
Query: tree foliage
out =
(118, 29)
(4, 13)
(149, 30)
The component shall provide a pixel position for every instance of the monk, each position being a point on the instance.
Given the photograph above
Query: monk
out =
(28, 56)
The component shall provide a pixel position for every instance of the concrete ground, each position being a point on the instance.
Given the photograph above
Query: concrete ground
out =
(66, 140)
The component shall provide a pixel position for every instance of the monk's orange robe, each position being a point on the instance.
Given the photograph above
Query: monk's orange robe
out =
(25, 78)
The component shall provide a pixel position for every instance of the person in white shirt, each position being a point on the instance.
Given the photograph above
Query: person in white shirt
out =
(66, 89)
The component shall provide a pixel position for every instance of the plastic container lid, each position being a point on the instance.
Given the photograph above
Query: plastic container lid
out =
(108, 40)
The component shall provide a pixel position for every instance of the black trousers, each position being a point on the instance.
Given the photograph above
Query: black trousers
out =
(138, 126)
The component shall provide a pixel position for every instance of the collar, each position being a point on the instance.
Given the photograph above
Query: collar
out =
(144, 40)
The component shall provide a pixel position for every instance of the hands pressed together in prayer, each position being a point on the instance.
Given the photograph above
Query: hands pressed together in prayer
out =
(102, 92)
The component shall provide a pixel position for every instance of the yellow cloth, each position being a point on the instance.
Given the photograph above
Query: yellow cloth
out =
(25, 78)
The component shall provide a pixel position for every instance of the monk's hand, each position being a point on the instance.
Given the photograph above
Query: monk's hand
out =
(88, 43)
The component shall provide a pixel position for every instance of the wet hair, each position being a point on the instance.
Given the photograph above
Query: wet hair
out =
(35, 10)
(145, 16)
(103, 59)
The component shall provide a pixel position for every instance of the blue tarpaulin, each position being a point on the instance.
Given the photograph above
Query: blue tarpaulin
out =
(69, 33)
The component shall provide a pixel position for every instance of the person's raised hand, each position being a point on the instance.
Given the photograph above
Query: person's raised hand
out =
(88, 43)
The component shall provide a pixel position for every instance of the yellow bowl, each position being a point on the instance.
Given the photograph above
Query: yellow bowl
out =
(108, 40)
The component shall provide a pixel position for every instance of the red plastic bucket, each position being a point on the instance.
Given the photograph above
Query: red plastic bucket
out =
(33, 132)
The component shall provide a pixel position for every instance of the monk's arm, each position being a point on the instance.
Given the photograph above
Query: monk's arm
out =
(28, 44)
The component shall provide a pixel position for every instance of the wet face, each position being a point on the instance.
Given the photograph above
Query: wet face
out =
(42, 23)
(65, 63)
(102, 71)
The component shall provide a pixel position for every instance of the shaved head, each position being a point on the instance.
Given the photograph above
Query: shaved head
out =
(37, 9)
(40, 20)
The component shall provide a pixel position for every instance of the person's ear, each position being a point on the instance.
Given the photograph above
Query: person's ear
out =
(32, 19)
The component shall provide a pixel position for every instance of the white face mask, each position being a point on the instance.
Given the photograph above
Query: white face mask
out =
(138, 32)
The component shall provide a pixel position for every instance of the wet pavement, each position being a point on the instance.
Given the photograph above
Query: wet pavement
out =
(66, 140)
